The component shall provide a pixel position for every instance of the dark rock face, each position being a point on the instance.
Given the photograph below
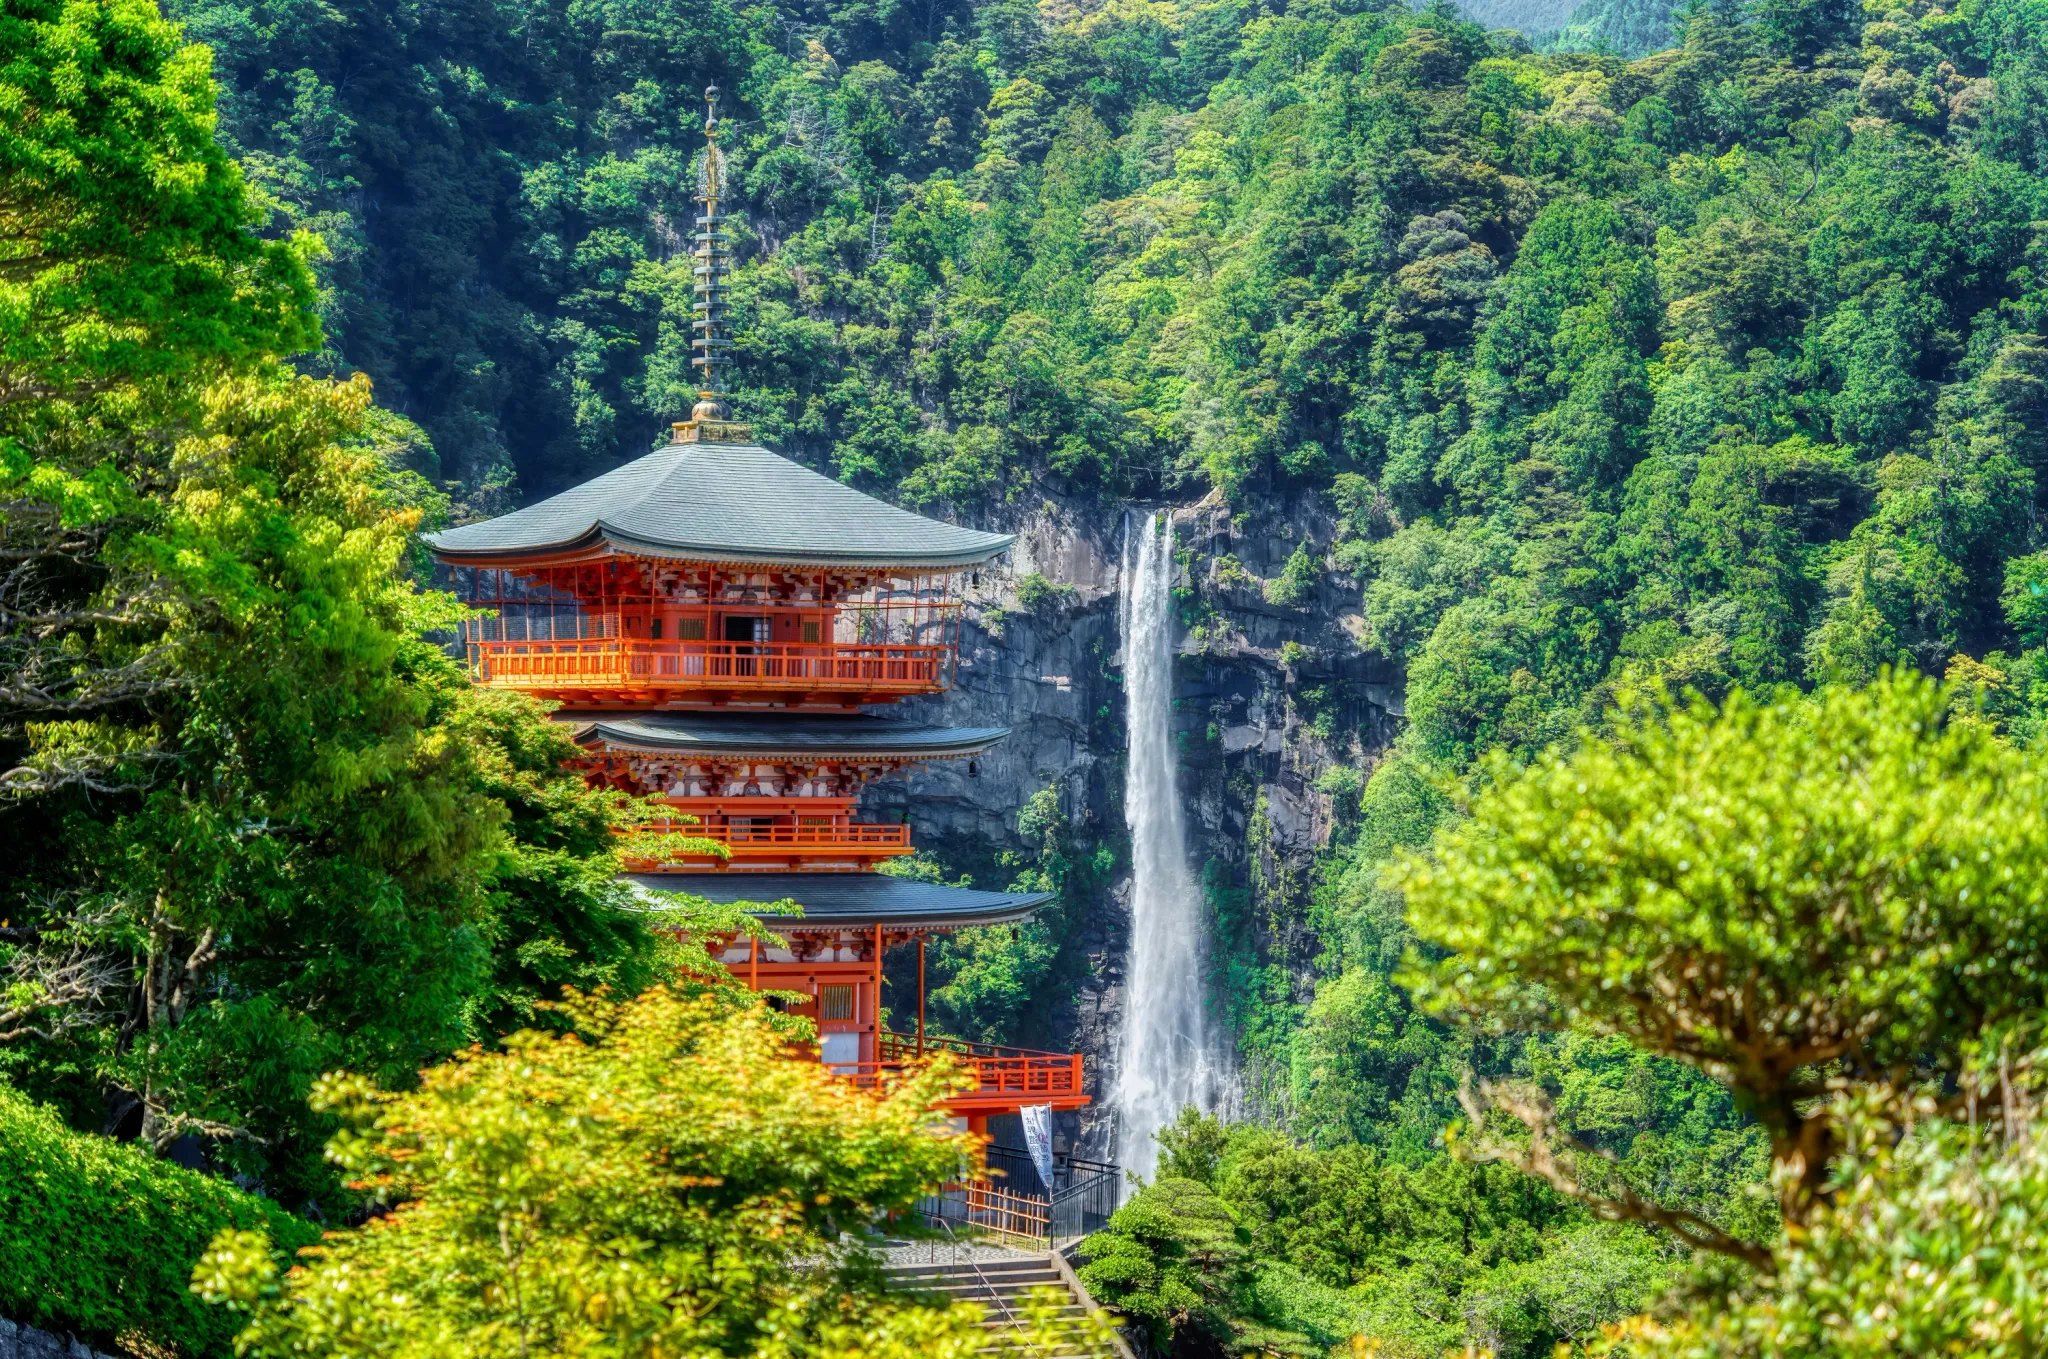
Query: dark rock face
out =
(1269, 696)
(27, 1342)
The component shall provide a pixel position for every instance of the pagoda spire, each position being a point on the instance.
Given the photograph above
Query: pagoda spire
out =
(711, 419)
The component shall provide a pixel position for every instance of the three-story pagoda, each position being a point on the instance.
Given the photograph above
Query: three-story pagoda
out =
(715, 621)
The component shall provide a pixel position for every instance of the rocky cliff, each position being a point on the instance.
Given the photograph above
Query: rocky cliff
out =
(1274, 688)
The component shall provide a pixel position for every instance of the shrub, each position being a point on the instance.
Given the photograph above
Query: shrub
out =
(101, 1238)
(1296, 583)
(1037, 595)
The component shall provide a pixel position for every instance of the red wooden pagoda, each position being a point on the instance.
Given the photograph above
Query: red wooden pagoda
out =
(715, 620)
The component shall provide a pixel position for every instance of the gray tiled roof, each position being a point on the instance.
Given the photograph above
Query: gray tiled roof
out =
(728, 733)
(723, 503)
(852, 898)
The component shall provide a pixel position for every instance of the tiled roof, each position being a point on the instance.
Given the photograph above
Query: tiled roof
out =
(734, 503)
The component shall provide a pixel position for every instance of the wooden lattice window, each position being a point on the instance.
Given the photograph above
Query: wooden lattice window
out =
(835, 1002)
(689, 629)
(811, 634)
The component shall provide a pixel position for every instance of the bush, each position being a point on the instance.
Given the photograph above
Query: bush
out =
(1296, 583)
(101, 1238)
(1037, 595)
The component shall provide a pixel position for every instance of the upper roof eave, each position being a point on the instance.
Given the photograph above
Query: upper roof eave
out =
(576, 550)
(720, 504)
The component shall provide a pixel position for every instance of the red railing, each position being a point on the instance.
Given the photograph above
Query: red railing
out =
(854, 836)
(788, 842)
(1002, 1075)
(610, 663)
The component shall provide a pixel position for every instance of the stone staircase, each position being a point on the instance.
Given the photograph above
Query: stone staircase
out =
(1002, 1288)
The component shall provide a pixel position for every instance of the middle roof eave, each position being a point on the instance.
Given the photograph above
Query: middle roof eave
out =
(853, 734)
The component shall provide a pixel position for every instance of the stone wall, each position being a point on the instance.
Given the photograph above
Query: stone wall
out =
(26, 1342)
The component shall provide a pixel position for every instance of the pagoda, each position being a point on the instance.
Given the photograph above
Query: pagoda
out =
(715, 623)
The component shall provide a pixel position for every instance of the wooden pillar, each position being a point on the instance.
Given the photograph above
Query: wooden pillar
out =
(978, 1125)
(754, 965)
(920, 995)
(878, 992)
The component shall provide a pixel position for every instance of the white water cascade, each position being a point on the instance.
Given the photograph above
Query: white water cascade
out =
(1166, 1060)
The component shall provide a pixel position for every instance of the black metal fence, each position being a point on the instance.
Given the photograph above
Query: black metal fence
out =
(1093, 1191)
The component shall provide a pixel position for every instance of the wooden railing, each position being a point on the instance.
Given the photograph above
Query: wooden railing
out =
(1002, 1075)
(852, 836)
(783, 842)
(981, 1204)
(1011, 1200)
(624, 663)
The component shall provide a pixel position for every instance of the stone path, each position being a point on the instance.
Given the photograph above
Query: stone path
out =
(943, 1252)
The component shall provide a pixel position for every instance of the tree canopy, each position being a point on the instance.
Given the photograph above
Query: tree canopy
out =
(658, 1179)
(262, 825)
(125, 252)
(1847, 886)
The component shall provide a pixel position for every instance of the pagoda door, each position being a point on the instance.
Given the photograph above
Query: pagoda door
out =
(746, 628)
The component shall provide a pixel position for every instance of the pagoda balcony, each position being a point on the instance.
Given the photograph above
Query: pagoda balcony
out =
(758, 846)
(630, 668)
(1005, 1078)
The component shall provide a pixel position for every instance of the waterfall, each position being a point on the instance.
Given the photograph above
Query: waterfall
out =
(1166, 1060)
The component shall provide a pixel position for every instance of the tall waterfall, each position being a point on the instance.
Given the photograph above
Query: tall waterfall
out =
(1166, 1059)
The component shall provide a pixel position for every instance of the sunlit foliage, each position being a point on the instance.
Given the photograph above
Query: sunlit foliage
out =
(658, 1180)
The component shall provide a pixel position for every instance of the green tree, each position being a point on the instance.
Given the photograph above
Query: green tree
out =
(125, 252)
(659, 1179)
(307, 802)
(1781, 895)
(1930, 1242)
(1174, 1260)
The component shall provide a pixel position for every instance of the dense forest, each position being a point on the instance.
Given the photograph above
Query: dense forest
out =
(1674, 380)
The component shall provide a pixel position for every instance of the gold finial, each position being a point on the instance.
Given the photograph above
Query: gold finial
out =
(711, 419)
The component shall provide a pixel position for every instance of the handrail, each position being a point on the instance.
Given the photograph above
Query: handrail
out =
(619, 661)
(962, 1046)
(854, 834)
(988, 1285)
(1043, 1074)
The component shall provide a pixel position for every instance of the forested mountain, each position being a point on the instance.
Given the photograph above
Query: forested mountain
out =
(1531, 300)
(1717, 367)
(1629, 28)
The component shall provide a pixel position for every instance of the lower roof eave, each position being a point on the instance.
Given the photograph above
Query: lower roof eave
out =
(1011, 1103)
